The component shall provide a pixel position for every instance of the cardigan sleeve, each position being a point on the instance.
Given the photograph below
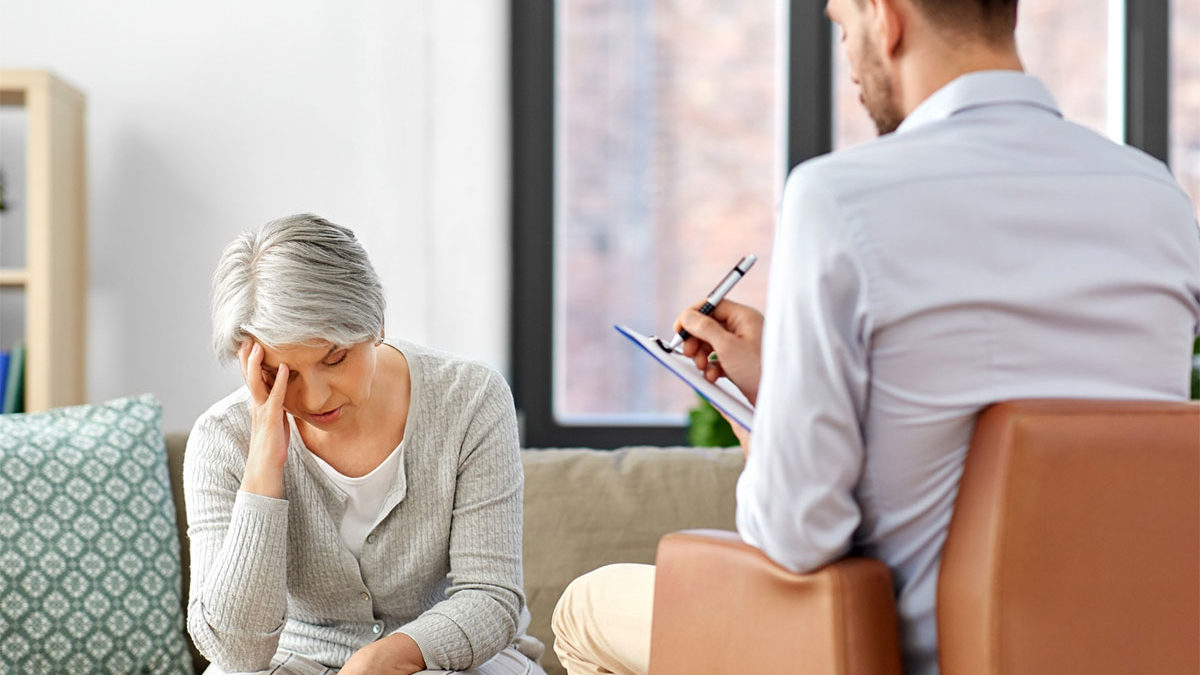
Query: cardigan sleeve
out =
(237, 601)
(480, 614)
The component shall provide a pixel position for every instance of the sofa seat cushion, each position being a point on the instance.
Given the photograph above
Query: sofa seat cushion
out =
(89, 559)
(588, 508)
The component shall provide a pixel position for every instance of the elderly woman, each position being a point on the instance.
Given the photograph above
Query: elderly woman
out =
(357, 504)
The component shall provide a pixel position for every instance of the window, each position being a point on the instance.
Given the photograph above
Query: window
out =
(851, 123)
(647, 134)
(1074, 47)
(725, 103)
(666, 144)
(1185, 95)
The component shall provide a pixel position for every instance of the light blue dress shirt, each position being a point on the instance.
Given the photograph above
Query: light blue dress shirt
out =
(987, 250)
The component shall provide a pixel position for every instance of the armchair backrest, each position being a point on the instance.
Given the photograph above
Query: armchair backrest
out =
(1075, 542)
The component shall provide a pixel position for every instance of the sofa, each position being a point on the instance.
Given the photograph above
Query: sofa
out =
(583, 509)
(94, 556)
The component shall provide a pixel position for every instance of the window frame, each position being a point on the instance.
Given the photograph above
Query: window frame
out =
(807, 133)
(1148, 76)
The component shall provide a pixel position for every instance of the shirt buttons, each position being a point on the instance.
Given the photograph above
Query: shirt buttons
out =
(376, 629)
(365, 595)
(370, 539)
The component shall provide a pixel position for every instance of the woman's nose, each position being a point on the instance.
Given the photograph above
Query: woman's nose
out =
(314, 393)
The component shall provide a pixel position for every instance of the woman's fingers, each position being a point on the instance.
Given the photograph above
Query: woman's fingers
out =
(243, 357)
(269, 424)
(254, 375)
(279, 387)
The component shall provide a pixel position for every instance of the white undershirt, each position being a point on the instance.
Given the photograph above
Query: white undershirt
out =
(364, 497)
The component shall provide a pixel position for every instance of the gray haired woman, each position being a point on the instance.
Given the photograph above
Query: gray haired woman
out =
(356, 506)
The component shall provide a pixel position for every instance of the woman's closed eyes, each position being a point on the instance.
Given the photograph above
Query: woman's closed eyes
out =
(334, 359)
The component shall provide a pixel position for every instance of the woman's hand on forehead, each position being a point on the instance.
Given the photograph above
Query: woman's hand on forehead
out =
(268, 424)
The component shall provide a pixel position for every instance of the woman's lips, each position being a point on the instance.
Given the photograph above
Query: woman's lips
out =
(326, 417)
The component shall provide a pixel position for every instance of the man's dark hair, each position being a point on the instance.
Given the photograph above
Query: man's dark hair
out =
(994, 20)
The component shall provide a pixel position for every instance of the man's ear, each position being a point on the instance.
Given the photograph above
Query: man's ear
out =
(889, 22)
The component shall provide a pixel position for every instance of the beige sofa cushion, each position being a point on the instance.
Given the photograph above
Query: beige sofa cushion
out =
(587, 508)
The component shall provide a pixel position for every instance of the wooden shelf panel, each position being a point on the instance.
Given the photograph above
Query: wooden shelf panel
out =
(13, 277)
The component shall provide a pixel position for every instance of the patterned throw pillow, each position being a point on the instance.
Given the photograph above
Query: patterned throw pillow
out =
(89, 559)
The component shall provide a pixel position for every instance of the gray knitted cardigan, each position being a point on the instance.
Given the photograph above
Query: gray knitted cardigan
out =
(444, 566)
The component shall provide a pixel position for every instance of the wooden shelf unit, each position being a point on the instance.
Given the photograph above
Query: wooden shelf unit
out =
(54, 278)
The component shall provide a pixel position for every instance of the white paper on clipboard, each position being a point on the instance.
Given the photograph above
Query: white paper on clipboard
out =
(723, 395)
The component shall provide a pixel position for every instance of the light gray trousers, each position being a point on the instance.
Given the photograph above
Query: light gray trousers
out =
(508, 662)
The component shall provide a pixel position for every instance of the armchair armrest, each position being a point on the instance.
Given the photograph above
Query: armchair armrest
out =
(721, 604)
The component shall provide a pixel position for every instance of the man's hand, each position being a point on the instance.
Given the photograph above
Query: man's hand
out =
(726, 343)
(396, 654)
(739, 432)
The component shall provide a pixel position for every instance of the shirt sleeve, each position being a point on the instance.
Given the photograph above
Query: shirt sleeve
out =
(238, 542)
(484, 600)
(795, 497)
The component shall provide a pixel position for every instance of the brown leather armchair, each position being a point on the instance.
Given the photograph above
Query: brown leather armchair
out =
(1074, 548)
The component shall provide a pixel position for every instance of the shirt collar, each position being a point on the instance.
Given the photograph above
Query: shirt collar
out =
(984, 88)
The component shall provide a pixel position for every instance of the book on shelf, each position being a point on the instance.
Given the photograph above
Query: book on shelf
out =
(14, 382)
(4, 359)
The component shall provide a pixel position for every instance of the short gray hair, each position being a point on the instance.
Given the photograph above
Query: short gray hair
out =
(297, 280)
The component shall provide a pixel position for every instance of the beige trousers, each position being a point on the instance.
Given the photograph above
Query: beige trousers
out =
(602, 622)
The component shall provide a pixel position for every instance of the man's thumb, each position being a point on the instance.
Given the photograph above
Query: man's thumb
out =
(705, 328)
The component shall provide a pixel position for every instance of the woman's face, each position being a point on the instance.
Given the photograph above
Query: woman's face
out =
(327, 385)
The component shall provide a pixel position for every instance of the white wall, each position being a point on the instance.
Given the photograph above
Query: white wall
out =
(207, 119)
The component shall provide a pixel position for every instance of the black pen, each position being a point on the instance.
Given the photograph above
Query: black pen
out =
(714, 298)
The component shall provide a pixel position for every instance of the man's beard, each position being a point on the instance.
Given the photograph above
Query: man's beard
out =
(878, 95)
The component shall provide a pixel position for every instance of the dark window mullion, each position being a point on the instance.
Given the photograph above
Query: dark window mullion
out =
(532, 92)
(809, 82)
(1147, 75)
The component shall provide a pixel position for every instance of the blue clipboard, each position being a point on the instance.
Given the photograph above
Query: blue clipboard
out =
(724, 396)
